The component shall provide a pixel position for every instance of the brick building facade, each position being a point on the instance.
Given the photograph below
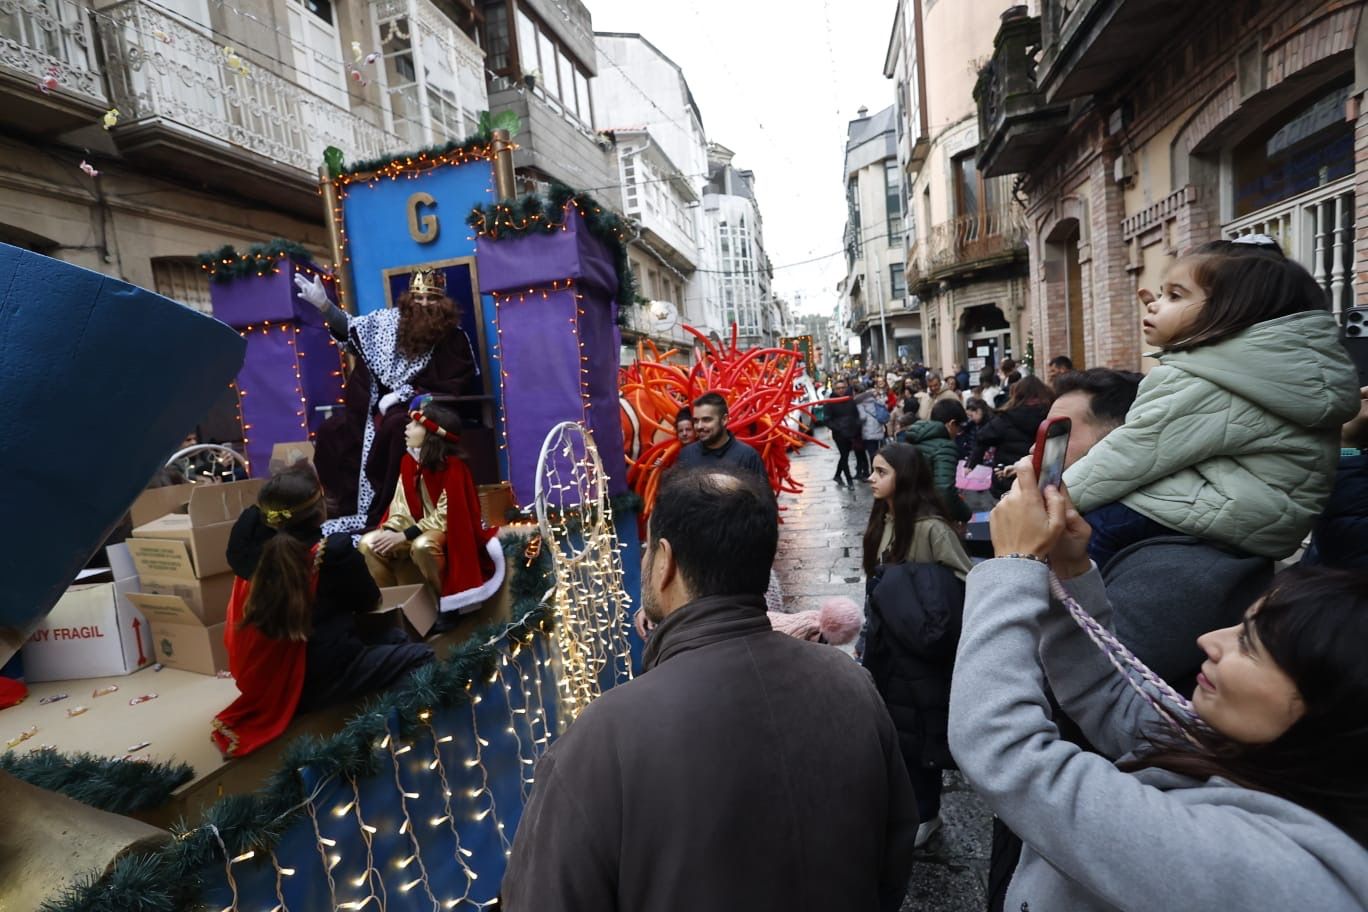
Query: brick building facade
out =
(1138, 131)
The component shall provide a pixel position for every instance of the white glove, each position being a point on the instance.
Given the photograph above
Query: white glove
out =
(388, 401)
(313, 292)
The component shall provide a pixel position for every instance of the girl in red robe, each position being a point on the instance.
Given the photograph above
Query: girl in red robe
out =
(433, 531)
(291, 634)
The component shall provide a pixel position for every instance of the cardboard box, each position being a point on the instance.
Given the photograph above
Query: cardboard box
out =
(284, 455)
(155, 503)
(180, 638)
(164, 567)
(413, 608)
(94, 630)
(204, 527)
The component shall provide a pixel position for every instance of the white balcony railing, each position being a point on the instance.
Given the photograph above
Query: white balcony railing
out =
(1317, 230)
(43, 37)
(161, 66)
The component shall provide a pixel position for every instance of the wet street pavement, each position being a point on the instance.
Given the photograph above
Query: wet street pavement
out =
(819, 557)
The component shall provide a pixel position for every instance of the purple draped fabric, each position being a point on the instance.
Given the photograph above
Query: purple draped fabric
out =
(559, 355)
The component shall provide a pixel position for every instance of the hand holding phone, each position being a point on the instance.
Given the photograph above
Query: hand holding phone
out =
(1051, 446)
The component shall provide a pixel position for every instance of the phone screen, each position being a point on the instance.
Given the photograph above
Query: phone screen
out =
(1052, 458)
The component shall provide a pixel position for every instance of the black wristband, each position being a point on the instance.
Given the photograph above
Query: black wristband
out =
(412, 532)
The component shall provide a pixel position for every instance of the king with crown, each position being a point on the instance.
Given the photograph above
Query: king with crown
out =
(415, 347)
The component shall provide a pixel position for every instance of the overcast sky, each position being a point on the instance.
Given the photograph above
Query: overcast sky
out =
(778, 84)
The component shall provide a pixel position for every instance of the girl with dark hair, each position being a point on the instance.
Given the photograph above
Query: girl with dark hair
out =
(291, 634)
(1011, 433)
(433, 531)
(1251, 796)
(1219, 444)
(910, 644)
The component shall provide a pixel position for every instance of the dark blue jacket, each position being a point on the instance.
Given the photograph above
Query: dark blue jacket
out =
(1340, 536)
(733, 452)
(914, 613)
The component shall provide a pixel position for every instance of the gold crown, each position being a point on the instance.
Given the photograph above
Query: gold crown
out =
(428, 281)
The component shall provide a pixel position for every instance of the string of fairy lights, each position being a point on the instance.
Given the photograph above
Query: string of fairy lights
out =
(592, 607)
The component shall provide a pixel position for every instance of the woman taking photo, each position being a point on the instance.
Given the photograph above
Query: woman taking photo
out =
(913, 620)
(1252, 796)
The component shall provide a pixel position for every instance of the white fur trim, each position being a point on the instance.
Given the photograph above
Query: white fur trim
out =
(469, 599)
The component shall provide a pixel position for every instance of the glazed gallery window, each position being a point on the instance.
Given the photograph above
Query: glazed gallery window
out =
(561, 81)
(1307, 146)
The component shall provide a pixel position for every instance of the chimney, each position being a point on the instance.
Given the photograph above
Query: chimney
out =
(863, 112)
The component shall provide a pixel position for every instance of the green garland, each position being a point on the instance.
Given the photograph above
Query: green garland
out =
(117, 786)
(169, 878)
(226, 264)
(475, 145)
(534, 214)
(620, 504)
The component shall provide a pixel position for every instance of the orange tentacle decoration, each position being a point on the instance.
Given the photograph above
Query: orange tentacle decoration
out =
(763, 397)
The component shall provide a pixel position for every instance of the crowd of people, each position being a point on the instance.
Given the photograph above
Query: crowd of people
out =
(1155, 681)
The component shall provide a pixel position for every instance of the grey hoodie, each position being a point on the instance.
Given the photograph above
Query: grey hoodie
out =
(1097, 838)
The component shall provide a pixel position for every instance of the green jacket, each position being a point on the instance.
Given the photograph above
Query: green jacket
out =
(933, 440)
(1234, 442)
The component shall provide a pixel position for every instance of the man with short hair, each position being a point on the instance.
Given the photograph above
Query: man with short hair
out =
(1058, 366)
(716, 444)
(743, 769)
(936, 391)
(1096, 402)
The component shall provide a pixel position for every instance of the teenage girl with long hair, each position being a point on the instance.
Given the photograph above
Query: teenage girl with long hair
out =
(910, 656)
(291, 633)
(1251, 796)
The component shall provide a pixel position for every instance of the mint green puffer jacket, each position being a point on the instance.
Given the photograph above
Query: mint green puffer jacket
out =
(1234, 442)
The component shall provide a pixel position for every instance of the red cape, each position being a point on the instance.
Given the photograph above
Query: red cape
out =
(270, 679)
(468, 565)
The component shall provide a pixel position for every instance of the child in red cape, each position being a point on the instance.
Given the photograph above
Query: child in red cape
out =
(433, 531)
(291, 633)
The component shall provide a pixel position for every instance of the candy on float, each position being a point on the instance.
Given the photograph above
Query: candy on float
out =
(22, 736)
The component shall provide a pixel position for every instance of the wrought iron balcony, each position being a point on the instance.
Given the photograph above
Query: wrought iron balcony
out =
(1016, 124)
(969, 243)
(49, 72)
(1090, 44)
(184, 98)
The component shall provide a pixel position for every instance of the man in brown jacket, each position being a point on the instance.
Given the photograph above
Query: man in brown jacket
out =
(743, 770)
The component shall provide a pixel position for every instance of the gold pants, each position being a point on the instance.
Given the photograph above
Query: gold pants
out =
(422, 560)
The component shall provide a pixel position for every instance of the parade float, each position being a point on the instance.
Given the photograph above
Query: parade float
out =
(407, 800)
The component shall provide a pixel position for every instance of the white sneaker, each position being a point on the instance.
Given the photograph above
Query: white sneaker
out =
(925, 831)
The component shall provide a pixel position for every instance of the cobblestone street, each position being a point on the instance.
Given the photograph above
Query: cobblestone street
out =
(819, 557)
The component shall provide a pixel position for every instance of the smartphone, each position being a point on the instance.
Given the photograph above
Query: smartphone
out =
(1357, 346)
(1047, 458)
